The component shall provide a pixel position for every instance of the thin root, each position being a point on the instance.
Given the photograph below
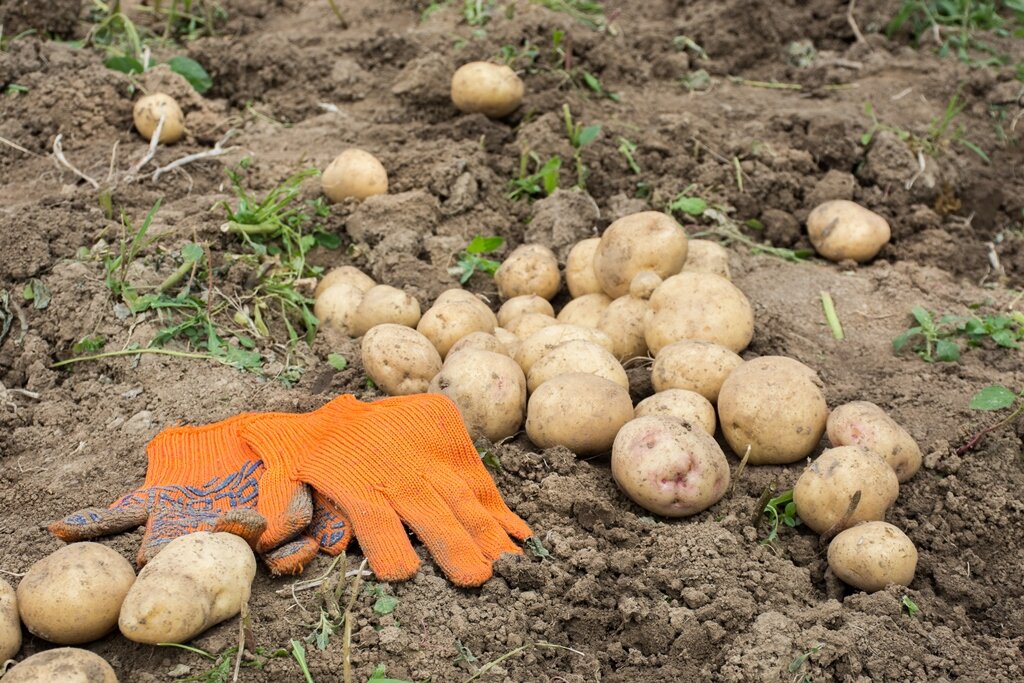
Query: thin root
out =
(58, 153)
(218, 150)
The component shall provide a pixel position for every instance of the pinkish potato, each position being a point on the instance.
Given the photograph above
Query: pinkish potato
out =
(693, 365)
(699, 306)
(384, 304)
(668, 468)
(579, 411)
(873, 555)
(862, 423)
(624, 321)
(823, 492)
(488, 388)
(579, 268)
(840, 229)
(446, 324)
(577, 355)
(520, 305)
(649, 240)
(530, 269)
(585, 310)
(528, 324)
(705, 256)
(687, 406)
(481, 341)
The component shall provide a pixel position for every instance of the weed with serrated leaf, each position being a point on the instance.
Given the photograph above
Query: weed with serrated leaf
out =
(472, 260)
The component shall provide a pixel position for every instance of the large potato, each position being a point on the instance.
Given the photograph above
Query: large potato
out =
(669, 468)
(197, 581)
(579, 411)
(458, 294)
(695, 366)
(519, 305)
(10, 624)
(700, 306)
(384, 304)
(528, 324)
(73, 595)
(354, 174)
(547, 338)
(823, 492)
(625, 322)
(447, 323)
(399, 359)
(493, 90)
(488, 388)
(585, 310)
(577, 355)
(62, 665)
(580, 276)
(862, 423)
(705, 256)
(840, 229)
(687, 406)
(530, 269)
(348, 275)
(335, 307)
(775, 406)
(872, 555)
(649, 240)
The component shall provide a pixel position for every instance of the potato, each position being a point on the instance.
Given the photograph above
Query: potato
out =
(687, 406)
(335, 308)
(481, 341)
(457, 294)
(147, 112)
(197, 581)
(62, 665)
(10, 624)
(775, 406)
(643, 284)
(385, 304)
(529, 269)
(872, 555)
(510, 341)
(841, 230)
(705, 256)
(354, 174)
(580, 276)
(73, 595)
(399, 359)
(585, 310)
(649, 240)
(448, 323)
(669, 468)
(862, 423)
(579, 411)
(822, 493)
(488, 388)
(534, 348)
(624, 321)
(693, 365)
(700, 306)
(577, 355)
(528, 324)
(493, 90)
(345, 274)
(519, 305)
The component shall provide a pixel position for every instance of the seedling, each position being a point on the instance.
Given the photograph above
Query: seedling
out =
(379, 676)
(909, 605)
(579, 137)
(337, 361)
(384, 603)
(299, 653)
(541, 182)
(994, 397)
(933, 339)
(586, 12)
(799, 661)
(626, 149)
(686, 43)
(537, 548)
(223, 664)
(941, 132)
(471, 260)
(780, 509)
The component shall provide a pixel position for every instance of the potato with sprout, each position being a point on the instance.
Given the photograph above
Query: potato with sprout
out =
(649, 240)
(824, 492)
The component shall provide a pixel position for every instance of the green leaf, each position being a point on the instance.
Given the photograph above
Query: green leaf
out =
(923, 317)
(592, 82)
(537, 548)
(588, 135)
(36, 292)
(337, 361)
(378, 676)
(124, 64)
(901, 341)
(1006, 338)
(694, 206)
(947, 351)
(994, 397)
(192, 71)
(865, 139)
(192, 252)
(909, 605)
(89, 344)
(385, 604)
(482, 245)
(327, 240)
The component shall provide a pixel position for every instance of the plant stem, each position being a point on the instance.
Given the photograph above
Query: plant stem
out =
(259, 229)
(831, 316)
(973, 442)
(175, 277)
(133, 352)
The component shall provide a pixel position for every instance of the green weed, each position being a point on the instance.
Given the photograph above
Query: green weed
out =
(379, 675)
(472, 260)
(579, 137)
(557, 59)
(541, 182)
(935, 338)
(909, 605)
(940, 136)
(780, 510)
(626, 149)
(992, 398)
(223, 663)
(801, 659)
(589, 13)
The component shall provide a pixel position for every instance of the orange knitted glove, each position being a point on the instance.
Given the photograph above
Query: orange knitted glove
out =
(405, 459)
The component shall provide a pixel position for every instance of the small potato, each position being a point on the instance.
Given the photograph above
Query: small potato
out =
(577, 355)
(510, 341)
(335, 307)
(519, 305)
(530, 269)
(528, 324)
(346, 274)
(197, 581)
(823, 492)
(488, 388)
(774, 405)
(147, 112)
(355, 174)
(73, 595)
(457, 294)
(862, 423)
(481, 341)
(643, 284)
(687, 406)
(700, 306)
(385, 304)
(705, 256)
(585, 310)
(624, 321)
(872, 555)
(668, 468)
(493, 90)
(399, 359)
(534, 348)
(62, 665)
(579, 411)
(10, 624)
(580, 276)
(649, 240)
(446, 324)
(841, 230)
(693, 365)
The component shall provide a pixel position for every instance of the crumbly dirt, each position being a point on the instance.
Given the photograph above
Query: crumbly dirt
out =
(622, 596)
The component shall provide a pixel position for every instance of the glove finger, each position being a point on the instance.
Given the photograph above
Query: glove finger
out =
(94, 522)
(244, 522)
(329, 526)
(482, 527)
(472, 471)
(380, 533)
(292, 557)
(287, 506)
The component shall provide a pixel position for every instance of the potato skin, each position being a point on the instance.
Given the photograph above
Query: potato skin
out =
(489, 390)
(520, 305)
(355, 174)
(580, 276)
(335, 307)
(862, 423)
(10, 624)
(529, 269)
(384, 304)
(667, 467)
(577, 355)
(465, 296)
(822, 493)
(585, 310)
(399, 359)
(547, 338)
(700, 306)
(528, 324)
(579, 411)
(146, 115)
(705, 256)
(508, 340)
(62, 665)
(481, 341)
(841, 229)
(447, 323)
(74, 594)
(695, 366)
(686, 406)
(649, 240)
(775, 405)
(347, 274)
(872, 555)
(493, 90)
(624, 321)
(644, 283)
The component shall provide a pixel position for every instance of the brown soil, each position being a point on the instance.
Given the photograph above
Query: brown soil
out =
(636, 598)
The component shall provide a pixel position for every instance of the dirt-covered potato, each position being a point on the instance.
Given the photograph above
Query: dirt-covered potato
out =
(529, 269)
(73, 595)
(384, 304)
(644, 283)
(649, 240)
(872, 555)
(705, 256)
(399, 359)
(547, 338)
(577, 355)
(147, 112)
(355, 174)
(348, 275)
(481, 341)
(824, 490)
(862, 423)
(457, 294)
(528, 324)
(667, 467)
(335, 307)
(688, 406)
(840, 229)
(625, 321)
(580, 276)
(448, 323)
(585, 310)
(579, 411)
(508, 340)
(10, 624)
(774, 405)
(693, 365)
(489, 389)
(520, 305)
(700, 306)
(62, 665)
(493, 90)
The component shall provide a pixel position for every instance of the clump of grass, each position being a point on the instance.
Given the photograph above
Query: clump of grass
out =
(935, 337)
(941, 133)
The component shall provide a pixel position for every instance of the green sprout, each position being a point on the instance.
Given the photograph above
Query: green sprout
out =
(471, 260)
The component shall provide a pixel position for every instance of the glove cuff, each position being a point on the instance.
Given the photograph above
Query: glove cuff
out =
(192, 456)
